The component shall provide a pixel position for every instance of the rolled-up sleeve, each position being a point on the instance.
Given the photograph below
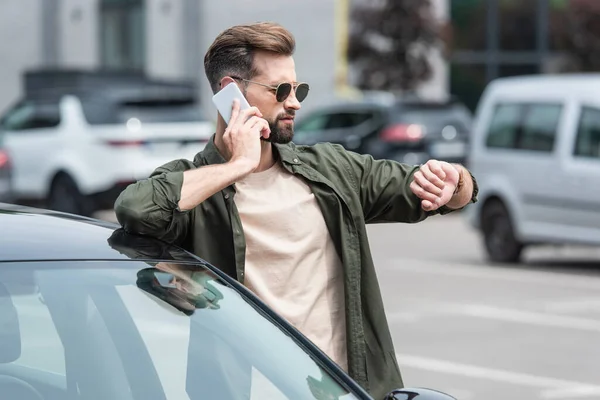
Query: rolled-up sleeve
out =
(384, 189)
(151, 206)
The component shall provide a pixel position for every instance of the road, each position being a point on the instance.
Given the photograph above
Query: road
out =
(479, 331)
(487, 332)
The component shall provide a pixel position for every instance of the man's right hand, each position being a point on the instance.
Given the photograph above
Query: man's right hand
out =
(243, 134)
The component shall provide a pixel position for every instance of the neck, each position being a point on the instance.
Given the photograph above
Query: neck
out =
(267, 155)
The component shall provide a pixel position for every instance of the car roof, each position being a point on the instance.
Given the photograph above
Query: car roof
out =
(31, 234)
(107, 85)
(548, 84)
(384, 102)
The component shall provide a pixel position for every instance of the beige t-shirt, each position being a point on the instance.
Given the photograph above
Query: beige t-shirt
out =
(291, 261)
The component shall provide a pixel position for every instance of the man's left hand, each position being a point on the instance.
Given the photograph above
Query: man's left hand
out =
(434, 183)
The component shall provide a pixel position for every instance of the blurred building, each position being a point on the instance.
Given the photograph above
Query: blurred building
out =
(168, 38)
(499, 38)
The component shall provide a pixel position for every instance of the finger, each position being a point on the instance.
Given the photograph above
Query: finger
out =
(428, 206)
(430, 176)
(259, 124)
(251, 122)
(246, 114)
(265, 129)
(436, 168)
(422, 193)
(429, 186)
(235, 111)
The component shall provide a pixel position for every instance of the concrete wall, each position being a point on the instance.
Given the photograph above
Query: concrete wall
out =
(21, 31)
(78, 34)
(438, 86)
(165, 53)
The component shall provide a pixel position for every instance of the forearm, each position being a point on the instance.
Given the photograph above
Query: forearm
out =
(201, 183)
(464, 195)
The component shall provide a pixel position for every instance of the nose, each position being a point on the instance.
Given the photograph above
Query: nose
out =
(292, 102)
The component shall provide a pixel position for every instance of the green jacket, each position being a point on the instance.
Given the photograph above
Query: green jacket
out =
(351, 190)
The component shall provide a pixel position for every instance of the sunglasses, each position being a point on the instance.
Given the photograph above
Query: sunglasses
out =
(283, 90)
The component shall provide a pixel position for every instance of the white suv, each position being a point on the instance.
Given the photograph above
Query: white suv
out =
(536, 155)
(76, 149)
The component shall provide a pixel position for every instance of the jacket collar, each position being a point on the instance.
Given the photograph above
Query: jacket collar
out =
(287, 153)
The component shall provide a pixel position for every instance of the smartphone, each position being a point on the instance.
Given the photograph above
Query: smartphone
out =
(223, 100)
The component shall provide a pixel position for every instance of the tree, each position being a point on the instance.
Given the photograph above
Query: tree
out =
(390, 43)
(575, 32)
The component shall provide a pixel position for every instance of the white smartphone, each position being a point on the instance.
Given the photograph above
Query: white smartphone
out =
(223, 100)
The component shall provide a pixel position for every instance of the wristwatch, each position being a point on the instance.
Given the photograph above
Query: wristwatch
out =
(461, 180)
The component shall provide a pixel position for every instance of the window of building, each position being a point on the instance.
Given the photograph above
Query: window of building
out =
(467, 82)
(469, 26)
(122, 33)
(517, 23)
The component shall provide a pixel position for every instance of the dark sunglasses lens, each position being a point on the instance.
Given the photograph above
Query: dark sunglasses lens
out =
(283, 91)
(302, 91)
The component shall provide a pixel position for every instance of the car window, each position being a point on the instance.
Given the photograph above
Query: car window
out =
(344, 120)
(131, 329)
(504, 126)
(539, 127)
(313, 123)
(587, 143)
(524, 126)
(31, 115)
(33, 317)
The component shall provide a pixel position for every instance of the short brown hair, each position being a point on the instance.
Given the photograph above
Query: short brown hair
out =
(232, 52)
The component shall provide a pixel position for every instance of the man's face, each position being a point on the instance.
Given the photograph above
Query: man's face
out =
(273, 70)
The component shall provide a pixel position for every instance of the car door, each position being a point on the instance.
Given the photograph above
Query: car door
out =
(29, 129)
(520, 154)
(581, 174)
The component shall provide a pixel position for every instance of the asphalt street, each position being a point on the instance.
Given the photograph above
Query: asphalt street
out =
(489, 332)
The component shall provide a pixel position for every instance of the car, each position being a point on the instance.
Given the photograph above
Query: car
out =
(536, 155)
(406, 129)
(5, 175)
(88, 311)
(77, 138)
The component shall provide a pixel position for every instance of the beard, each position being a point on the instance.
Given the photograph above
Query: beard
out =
(281, 133)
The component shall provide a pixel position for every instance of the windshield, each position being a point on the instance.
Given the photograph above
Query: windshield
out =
(138, 330)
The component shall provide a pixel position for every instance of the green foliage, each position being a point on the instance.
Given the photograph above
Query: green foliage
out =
(390, 43)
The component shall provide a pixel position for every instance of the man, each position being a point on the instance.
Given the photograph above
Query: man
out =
(289, 221)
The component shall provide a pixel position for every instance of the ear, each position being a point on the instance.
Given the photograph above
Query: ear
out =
(226, 80)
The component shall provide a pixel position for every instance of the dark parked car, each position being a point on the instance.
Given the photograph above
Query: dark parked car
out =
(88, 311)
(407, 130)
(5, 175)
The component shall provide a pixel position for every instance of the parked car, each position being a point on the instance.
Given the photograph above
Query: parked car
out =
(408, 129)
(536, 155)
(88, 311)
(76, 139)
(5, 175)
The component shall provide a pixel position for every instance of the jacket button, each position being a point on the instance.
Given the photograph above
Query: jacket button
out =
(227, 196)
(295, 160)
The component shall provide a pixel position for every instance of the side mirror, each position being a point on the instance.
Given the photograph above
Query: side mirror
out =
(417, 394)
